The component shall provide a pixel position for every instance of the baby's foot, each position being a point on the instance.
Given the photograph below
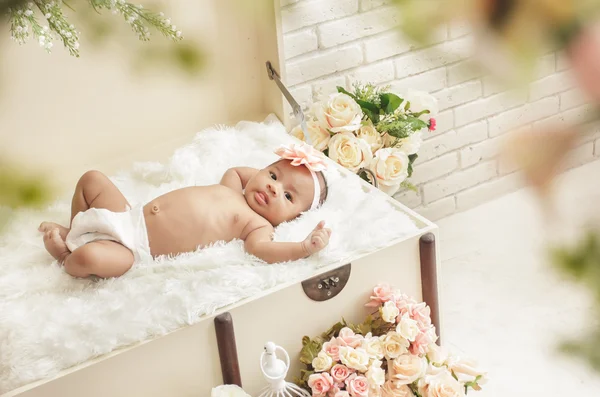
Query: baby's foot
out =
(55, 245)
(48, 226)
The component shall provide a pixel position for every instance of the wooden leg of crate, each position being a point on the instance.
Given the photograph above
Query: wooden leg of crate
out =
(429, 281)
(230, 366)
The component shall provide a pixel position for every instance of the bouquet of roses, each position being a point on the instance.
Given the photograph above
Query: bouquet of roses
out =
(371, 129)
(391, 354)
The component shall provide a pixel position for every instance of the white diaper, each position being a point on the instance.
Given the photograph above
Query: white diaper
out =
(127, 228)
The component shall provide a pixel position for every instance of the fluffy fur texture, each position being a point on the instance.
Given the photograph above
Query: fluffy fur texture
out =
(50, 321)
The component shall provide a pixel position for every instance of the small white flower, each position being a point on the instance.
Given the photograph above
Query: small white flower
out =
(173, 27)
(114, 12)
(69, 34)
(131, 19)
(42, 39)
(71, 26)
(28, 13)
(48, 16)
(30, 5)
(160, 14)
(76, 45)
(48, 6)
(140, 6)
(19, 29)
(20, 12)
(178, 34)
(167, 22)
(63, 32)
(49, 45)
(45, 29)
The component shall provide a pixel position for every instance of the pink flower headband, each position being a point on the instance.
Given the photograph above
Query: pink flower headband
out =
(309, 157)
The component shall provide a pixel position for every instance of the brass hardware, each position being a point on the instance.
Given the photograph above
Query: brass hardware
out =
(327, 285)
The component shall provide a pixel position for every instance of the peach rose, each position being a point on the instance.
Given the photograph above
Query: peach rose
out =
(389, 312)
(357, 359)
(408, 368)
(340, 113)
(350, 152)
(340, 373)
(441, 384)
(320, 383)
(394, 345)
(466, 370)
(437, 354)
(391, 389)
(318, 137)
(357, 386)
(390, 167)
(332, 348)
(371, 136)
(347, 337)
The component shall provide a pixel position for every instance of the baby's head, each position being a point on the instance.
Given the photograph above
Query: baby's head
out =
(288, 187)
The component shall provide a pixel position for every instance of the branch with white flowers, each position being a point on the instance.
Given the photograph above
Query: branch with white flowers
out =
(23, 19)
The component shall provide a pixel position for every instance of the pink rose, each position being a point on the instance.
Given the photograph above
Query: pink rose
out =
(340, 373)
(421, 313)
(403, 303)
(432, 124)
(335, 389)
(348, 338)
(342, 393)
(332, 349)
(320, 383)
(381, 294)
(357, 386)
(421, 344)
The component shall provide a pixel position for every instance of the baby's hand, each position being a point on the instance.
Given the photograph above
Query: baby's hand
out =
(317, 239)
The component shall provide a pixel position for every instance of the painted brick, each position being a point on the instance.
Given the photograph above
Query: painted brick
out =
(430, 58)
(486, 150)
(438, 210)
(488, 191)
(487, 106)
(307, 13)
(429, 81)
(452, 140)
(597, 148)
(459, 94)
(562, 62)
(546, 66)
(463, 71)
(324, 87)
(375, 73)
(572, 98)
(491, 86)
(579, 115)
(580, 155)
(409, 198)
(358, 26)
(459, 28)
(385, 45)
(523, 115)
(550, 85)
(590, 132)
(287, 2)
(302, 94)
(366, 5)
(434, 169)
(312, 67)
(458, 181)
(300, 42)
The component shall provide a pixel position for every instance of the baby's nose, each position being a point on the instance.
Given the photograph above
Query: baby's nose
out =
(273, 189)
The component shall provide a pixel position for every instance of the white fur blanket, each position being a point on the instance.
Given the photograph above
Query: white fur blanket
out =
(50, 321)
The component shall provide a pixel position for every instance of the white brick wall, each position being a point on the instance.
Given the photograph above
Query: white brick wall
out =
(336, 42)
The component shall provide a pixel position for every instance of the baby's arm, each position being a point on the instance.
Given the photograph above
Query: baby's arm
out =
(237, 178)
(259, 243)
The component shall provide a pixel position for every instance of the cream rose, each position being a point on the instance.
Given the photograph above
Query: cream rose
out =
(340, 113)
(357, 359)
(390, 167)
(373, 346)
(441, 384)
(408, 368)
(419, 101)
(391, 389)
(466, 370)
(437, 354)
(228, 391)
(376, 375)
(370, 135)
(389, 312)
(394, 345)
(350, 152)
(410, 144)
(322, 362)
(318, 137)
(408, 328)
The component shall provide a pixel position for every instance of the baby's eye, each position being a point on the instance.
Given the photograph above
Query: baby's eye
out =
(273, 176)
(288, 196)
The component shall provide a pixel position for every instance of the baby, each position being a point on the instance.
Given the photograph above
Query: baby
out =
(107, 236)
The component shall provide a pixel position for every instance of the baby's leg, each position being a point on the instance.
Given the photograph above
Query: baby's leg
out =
(100, 258)
(95, 190)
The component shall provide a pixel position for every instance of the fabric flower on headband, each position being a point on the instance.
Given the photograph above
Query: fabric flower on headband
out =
(303, 154)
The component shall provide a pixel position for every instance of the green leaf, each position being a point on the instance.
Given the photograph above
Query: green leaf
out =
(392, 101)
(415, 123)
(309, 351)
(342, 90)
(409, 186)
(333, 331)
(370, 109)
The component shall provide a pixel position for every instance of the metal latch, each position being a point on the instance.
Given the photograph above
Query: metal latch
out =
(327, 285)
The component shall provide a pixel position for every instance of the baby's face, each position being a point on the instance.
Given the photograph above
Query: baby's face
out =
(280, 192)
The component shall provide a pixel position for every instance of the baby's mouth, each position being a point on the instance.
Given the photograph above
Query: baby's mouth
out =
(262, 198)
